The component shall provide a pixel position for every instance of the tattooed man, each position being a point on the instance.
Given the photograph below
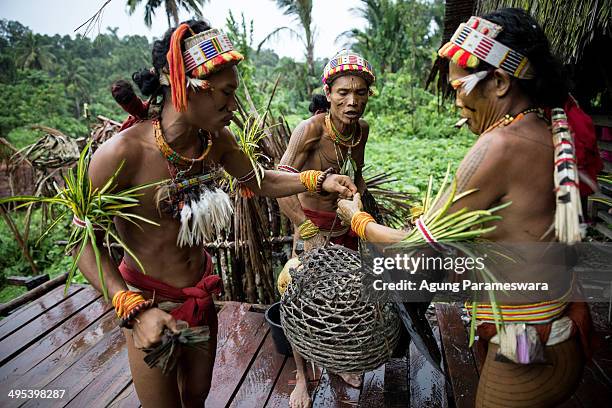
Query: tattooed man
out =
(505, 76)
(333, 140)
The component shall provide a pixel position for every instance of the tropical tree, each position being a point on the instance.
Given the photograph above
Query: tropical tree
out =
(33, 54)
(76, 80)
(171, 7)
(398, 33)
(301, 10)
(240, 33)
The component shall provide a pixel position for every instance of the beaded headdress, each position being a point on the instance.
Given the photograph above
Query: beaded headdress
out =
(347, 62)
(205, 53)
(475, 41)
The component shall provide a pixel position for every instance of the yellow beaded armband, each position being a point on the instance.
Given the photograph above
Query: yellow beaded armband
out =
(128, 304)
(309, 179)
(125, 300)
(308, 229)
(359, 222)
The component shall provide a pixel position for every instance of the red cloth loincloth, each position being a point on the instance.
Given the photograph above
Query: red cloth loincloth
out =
(197, 307)
(325, 219)
(579, 314)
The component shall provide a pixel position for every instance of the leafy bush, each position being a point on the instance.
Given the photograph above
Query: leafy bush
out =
(48, 256)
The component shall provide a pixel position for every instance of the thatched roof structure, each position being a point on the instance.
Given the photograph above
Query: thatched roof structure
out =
(580, 33)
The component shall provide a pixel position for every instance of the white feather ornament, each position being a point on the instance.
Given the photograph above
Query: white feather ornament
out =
(470, 81)
(184, 236)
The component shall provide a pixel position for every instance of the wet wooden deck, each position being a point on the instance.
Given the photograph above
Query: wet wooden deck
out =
(73, 343)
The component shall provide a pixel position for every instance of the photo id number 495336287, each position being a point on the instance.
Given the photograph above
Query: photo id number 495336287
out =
(30, 394)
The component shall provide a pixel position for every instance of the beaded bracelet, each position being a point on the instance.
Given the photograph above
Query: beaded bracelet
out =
(126, 300)
(309, 179)
(308, 229)
(128, 304)
(128, 320)
(359, 221)
(321, 180)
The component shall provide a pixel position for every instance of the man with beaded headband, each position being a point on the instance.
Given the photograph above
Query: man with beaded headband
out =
(331, 140)
(505, 77)
(193, 85)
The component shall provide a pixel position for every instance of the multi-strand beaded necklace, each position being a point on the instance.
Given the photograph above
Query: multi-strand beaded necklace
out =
(203, 209)
(346, 165)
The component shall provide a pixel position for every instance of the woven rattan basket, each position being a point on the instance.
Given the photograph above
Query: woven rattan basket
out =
(327, 320)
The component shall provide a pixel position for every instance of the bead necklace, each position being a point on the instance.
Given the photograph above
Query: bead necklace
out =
(508, 119)
(338, 137)
(171, 155)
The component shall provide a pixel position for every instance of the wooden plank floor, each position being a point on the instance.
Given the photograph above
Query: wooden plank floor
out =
(73, 343)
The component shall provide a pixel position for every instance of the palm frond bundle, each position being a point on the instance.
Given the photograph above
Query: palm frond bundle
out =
(95, 209)
(454, 230)
(393, 206)
(462, 225)
(250, 136)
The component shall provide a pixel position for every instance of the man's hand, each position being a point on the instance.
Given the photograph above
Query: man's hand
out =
(315, 242)
(335, 183)
(348, 208)
(149, 326)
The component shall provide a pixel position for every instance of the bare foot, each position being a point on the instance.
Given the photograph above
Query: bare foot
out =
(299, 396)
(352, 379)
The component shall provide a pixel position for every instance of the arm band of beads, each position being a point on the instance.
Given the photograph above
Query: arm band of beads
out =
(321, 180)
(128, 304)
(309, 179)
(307, 230)
(359, 222)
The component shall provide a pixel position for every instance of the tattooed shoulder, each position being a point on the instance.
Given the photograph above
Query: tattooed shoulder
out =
(472, 162)
(302, 140)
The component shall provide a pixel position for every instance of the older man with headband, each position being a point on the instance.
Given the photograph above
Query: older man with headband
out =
(332, 141)
(506, 79)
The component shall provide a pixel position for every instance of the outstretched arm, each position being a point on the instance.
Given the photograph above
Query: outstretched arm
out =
(481, 169)
(275, 183)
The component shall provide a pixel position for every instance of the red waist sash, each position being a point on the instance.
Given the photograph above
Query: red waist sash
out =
(197, 307)
(325, 220)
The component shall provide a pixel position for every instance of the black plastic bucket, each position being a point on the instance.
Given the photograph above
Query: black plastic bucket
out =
(278, 335)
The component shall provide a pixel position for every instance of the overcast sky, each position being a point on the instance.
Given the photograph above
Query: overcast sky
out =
(331, 18)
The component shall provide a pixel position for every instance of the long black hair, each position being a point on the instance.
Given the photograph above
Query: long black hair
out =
(523, 34)
(318, 104)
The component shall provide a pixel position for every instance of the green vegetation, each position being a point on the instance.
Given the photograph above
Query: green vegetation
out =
(48, 80)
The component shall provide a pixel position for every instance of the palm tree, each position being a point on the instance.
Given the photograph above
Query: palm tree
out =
(383, 40)
(76, 80)
(32, 54)
(172, 8)
(397, 31)
(301, 10)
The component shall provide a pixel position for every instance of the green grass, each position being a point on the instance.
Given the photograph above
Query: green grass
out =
(415, 159)
(10, 292)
